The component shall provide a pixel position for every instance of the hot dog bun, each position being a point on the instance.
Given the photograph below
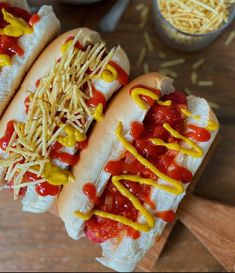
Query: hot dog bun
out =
(124, 254)
(124, 257)
(101, 145)
(32, 202)
(32, 44)
(16, 110)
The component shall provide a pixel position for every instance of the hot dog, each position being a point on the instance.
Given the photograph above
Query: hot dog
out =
(146, 152)
(45, 127)
(22, 37)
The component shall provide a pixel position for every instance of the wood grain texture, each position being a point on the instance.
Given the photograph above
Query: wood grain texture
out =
(214, 225)
(152, 256)
(39, 242)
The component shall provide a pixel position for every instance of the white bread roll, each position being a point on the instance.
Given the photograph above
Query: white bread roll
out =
(102, 143)
(32, 44)
(32, 202)
(123, 255)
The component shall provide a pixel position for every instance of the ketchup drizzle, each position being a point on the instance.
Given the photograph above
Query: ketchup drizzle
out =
(100, 229)
(9, 45)
(90, 191)
(198, 133)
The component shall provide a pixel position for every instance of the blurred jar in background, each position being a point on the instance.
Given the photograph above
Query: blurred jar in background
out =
(188, 41)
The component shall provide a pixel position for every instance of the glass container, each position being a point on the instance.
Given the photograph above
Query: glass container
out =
(182, 41)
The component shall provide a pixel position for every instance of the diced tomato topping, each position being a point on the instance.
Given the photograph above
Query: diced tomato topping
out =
(100, 229)
(149, 150)
(176, 97)
(137, 130)
(160, 132)
(158, 115)
(133, 234)
(9, 46)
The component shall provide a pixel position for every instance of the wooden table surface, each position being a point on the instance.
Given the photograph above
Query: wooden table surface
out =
(39, 243)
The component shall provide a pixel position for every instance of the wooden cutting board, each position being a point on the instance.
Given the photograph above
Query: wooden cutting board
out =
(212, 223)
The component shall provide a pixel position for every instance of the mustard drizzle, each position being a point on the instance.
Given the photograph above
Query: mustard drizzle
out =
(176, 186)
(16, 27)
(196, 151)
(189, 114)
(211, 126)
(99, 114)
(176, 189)
(72, 136)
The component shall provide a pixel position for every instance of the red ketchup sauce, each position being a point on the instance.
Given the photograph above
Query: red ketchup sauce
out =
(9, 45)
(100, 229)
(90, 191)
(43, 189)
(198, 133)
(67, 158)
(96, 99)
(147, 99)
(34, 19)
(167, 216)
(123, 77)
(4, 141)
(46, 189)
